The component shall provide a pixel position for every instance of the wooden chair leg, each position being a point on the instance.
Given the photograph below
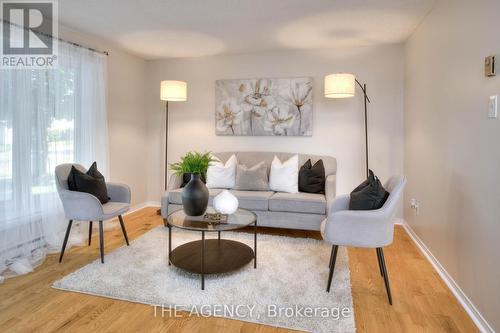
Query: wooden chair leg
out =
(385, 274)
(65, 240)
(123, 229)
(332, 266)
(90, 232)
(101, 241)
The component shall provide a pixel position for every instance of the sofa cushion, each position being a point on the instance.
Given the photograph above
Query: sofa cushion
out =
(220, 175)
(253, 200)
(312, 177)
(175, 196)
(284, 176)
(252, 179)
(298, 202)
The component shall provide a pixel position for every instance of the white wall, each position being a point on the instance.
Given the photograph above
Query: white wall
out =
(126, 113)
(338, 124)
(452, 155)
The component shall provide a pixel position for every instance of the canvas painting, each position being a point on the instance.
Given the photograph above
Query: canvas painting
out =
(257, 107)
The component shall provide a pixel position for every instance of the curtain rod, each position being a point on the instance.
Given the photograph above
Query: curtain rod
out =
(60, 39)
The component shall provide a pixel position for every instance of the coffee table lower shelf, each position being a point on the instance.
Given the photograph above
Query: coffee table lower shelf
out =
(220, 256)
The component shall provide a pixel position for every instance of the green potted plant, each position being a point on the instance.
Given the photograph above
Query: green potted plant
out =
(192, 163)
(193, 168)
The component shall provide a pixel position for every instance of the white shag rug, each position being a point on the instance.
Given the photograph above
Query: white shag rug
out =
(288, 288)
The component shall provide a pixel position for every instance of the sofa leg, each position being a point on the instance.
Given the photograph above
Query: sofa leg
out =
(123, 229)
(385, 274)
(101, 241)
(332, 266)
(65, 240)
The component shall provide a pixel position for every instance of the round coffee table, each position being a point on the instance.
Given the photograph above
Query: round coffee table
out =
(211, 256)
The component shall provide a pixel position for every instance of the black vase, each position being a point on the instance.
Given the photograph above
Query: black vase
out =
(186, 177)
(195, 196)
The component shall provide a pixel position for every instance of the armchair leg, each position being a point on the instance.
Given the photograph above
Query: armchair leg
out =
(385, 274)
(332, 266)
(123, 229)
(331, 257)
(65, 240)
(101, 241)
(90, 232)
(380, 264)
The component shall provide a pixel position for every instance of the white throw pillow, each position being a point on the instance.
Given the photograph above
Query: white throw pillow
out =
(284, 177)
(220, 175)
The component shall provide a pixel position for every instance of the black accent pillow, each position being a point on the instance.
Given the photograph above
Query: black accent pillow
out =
(369, 195)
(91, 182)
(312, 177)
(92, 171)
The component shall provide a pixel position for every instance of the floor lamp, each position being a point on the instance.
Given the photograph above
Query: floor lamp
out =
(343, 85)
(171, 91)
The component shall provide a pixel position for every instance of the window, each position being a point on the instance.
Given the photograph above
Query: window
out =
(47, 117)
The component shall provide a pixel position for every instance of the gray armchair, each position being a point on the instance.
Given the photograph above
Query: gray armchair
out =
(363, 228)
(86, 207)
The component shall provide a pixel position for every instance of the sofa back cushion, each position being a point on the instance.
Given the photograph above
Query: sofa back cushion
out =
(284, 175)
(312, 177)
(222, 173)
(252, 179)
(252, 158)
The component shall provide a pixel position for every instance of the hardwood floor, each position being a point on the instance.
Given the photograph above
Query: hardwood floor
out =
(422, 302)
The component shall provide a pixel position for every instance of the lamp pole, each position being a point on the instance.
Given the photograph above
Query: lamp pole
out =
(166, 145)
(171, 90)
(366, 100)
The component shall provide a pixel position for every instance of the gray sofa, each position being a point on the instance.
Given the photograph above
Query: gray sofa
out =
(274, 209)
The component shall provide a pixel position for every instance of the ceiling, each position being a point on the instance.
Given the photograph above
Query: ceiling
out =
(156, 29)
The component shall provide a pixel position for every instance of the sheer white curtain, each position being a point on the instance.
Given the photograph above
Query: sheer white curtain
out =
(47, 117)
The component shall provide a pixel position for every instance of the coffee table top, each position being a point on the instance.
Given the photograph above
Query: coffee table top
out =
(240, 219)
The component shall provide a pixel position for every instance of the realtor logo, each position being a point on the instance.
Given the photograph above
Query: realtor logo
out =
(29, 33)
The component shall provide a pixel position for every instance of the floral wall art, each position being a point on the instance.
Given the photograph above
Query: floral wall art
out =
(264, 107)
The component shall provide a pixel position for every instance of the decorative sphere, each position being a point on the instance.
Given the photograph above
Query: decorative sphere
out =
(225, 203)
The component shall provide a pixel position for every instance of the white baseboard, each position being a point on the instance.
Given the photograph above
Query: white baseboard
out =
(399, 221)
(142, 205)
(462, 298)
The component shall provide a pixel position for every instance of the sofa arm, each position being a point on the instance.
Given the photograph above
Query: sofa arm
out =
(118, 192)
(174, 182)
(80, 205)
(330, 189)
(164, 205)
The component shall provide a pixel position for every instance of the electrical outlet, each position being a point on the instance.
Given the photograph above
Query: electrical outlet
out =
(490, 66)
(415, 204)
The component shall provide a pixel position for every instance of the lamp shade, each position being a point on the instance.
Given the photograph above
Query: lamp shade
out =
(173, 91)
(340, 85)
